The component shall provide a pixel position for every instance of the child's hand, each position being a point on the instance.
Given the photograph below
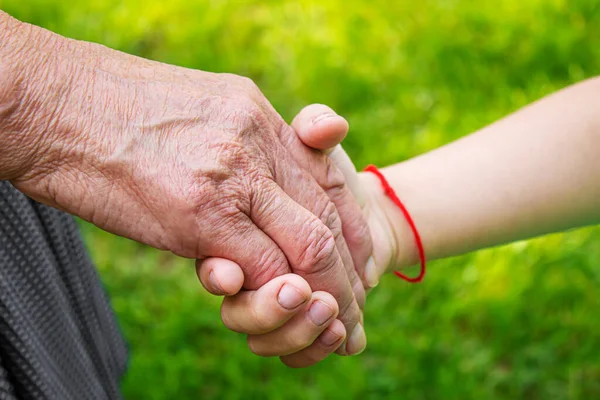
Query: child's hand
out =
(282, 318)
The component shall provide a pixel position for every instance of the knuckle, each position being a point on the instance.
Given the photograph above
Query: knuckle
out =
(255, 118)
(242, 114)
(319, 251)
(250, 123)
(250, 87)
(265, 198)
(249, 84)
(233, 79)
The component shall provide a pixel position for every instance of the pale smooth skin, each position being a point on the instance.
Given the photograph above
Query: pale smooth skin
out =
(534, 172)
(196, 163)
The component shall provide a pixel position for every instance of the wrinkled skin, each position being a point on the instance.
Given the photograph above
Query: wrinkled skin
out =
(259, 314)
(192, 162)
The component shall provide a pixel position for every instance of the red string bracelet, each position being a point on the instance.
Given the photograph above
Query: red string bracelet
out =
(392, 195)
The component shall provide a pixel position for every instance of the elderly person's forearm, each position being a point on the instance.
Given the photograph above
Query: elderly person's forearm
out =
(16, 147)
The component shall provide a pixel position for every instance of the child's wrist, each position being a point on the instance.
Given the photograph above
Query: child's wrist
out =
(390, 228)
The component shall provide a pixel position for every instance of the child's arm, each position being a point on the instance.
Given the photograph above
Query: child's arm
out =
(534, 172)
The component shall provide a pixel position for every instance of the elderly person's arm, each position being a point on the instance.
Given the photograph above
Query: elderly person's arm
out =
(183, 160)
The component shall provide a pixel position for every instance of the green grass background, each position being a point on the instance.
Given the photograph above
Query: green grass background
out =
(517, 322)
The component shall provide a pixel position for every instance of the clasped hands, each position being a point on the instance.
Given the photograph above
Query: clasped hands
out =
(287, 317)
(200, 164)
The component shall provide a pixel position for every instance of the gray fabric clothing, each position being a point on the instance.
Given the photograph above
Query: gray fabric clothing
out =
(59, 338)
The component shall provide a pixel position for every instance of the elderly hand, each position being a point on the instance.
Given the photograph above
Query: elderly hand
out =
(307, 333)
(192, 162)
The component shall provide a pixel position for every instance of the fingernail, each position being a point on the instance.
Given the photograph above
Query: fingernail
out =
(329, 338)
(214, 283)
(322, 117)
(320, 312)
(289, 297)
(371, 274)
(357, 341)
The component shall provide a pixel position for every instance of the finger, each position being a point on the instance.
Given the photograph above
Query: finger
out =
(220, 276)
(307, 242)
(329, 216)
(320, 349)
(266, 309)
(354, 227)
(346, 167)
(312, 197)
(299, 332)
(339, 127)
(327, 129)
(242, 242)
(370, 275)
(319, 127)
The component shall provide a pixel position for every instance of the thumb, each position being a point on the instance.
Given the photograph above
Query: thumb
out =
(320, 128)
(220, 276)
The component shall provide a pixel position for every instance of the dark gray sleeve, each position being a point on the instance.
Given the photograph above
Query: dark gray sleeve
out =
(59, 338)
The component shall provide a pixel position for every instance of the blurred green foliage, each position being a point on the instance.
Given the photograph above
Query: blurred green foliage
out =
(507, 323)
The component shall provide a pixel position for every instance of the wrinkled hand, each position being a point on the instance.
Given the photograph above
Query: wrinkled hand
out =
(187, 161)
(291, 332)
(369, 195)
